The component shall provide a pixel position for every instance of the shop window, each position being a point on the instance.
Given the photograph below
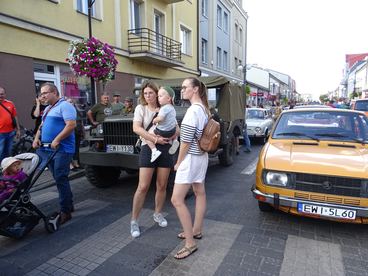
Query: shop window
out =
(43, 68)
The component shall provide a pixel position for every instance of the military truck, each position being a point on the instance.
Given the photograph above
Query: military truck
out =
(112, 143)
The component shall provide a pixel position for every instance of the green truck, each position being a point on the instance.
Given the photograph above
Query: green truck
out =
(112, 144)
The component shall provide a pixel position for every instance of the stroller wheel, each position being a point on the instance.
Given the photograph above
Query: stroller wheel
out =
(52, 222)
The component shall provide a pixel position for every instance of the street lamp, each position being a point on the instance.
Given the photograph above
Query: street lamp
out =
(93, 91)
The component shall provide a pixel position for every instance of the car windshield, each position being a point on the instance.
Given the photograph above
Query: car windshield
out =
(255, 114)
(323, 125)
(361, 105)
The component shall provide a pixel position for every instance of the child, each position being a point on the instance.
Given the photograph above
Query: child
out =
(165, 121)
(11, 171)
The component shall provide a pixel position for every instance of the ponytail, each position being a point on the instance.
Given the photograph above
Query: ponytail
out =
(202, 89)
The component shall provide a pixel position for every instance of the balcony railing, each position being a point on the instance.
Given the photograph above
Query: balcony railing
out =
(146, 44)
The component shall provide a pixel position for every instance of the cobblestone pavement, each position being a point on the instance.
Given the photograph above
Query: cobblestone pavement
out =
(238, 239)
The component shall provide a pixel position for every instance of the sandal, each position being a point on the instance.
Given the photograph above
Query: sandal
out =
(185, 252)
(196, 236)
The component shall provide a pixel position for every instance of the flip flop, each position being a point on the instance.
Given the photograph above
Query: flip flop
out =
(185, 252)
(196, 236)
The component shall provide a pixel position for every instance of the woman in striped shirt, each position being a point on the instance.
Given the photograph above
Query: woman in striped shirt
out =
(191, 166)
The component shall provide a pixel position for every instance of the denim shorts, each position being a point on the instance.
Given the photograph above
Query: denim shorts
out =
(165, 160)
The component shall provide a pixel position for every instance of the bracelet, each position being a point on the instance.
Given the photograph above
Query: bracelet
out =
(156, 140)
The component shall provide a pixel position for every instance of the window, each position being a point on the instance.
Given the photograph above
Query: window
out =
(204, 6)
(240, 35)
(204, 51)
(226, 22)
(185, 40)
(226, 68)
(236, 66)
(135, 14)
(236, 32)
(82, 6)
(218, 58)
(219, 17)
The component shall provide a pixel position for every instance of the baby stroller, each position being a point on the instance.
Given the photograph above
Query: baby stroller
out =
(18, 215)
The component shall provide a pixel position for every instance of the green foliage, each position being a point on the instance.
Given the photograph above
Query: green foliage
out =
(247, 90)
(324, 98)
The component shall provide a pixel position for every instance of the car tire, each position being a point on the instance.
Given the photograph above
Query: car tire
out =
(265, 207)
(102, 177)
(263, 139)
(226, 157)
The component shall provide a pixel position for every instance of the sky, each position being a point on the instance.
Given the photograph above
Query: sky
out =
(306, 39)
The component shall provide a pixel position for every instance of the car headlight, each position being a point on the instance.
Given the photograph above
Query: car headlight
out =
(275, 178)
(258, 129)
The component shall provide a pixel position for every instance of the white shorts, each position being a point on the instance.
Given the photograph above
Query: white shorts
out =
(192, 170)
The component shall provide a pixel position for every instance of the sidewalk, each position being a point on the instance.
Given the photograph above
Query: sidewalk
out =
(46, 180)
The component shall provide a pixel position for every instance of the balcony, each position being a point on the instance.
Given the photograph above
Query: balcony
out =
(149, 46)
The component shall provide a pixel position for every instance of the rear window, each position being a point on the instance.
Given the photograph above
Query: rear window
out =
(361, 105)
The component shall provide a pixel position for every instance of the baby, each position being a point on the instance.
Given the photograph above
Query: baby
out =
(11, 171)
(165, 121)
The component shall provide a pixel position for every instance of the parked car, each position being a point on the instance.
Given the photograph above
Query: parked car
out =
(315, 164)
(259, 123)
(312, 106)
(361, 105)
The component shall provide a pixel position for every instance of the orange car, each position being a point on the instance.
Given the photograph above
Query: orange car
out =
(361, 105)
(315, 163)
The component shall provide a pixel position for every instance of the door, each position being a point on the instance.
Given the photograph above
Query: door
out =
(159, 31)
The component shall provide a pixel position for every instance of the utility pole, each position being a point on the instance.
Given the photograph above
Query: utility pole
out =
(93, 90)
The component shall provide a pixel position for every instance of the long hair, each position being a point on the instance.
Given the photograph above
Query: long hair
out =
(202, 89)
(151, 85)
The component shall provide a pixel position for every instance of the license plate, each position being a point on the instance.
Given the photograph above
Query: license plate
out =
(326, 211)
(120, 148)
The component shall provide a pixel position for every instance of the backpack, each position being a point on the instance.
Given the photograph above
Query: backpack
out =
(211, 135)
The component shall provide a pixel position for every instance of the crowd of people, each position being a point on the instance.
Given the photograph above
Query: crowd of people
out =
(58, 128)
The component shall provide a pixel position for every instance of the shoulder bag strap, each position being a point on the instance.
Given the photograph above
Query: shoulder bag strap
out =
(151, 123)
(7, 110)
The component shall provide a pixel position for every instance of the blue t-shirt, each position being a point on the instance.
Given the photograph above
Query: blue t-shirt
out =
(54, 123)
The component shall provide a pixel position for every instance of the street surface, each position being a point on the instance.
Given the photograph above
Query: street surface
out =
(238, 239)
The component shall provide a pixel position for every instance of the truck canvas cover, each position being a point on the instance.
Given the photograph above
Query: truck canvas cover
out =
(231, 97)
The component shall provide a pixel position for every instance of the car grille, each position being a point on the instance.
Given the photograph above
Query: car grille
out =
(119, 133)
(331, 185)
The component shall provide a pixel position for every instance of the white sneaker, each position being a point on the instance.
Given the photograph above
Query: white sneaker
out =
(155, 154)
(159, 218)
(174, 147)
(134, 229)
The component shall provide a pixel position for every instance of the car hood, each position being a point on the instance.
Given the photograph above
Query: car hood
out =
(325, 158)
(254, 122)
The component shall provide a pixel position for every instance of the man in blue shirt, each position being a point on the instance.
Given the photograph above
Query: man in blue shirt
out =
(57, 131)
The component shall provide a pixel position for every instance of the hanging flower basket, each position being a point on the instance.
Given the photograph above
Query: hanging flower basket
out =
(92, 58)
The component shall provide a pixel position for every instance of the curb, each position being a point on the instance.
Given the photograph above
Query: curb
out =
(51, 182)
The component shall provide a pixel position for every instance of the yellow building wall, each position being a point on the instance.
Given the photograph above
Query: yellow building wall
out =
(64, 17)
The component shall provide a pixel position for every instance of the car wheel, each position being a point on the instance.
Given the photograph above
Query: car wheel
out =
(264, 138)
(265, 207)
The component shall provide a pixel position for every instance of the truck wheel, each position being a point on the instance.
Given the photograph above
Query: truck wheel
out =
(226, 157)
(264, 207)
(102, 177)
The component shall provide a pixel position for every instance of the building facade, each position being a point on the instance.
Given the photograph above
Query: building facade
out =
(152, 39)
(222, 38)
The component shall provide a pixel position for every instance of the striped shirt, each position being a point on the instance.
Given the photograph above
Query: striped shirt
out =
(192, 127)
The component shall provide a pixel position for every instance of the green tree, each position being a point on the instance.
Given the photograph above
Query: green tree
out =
(324, 98)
